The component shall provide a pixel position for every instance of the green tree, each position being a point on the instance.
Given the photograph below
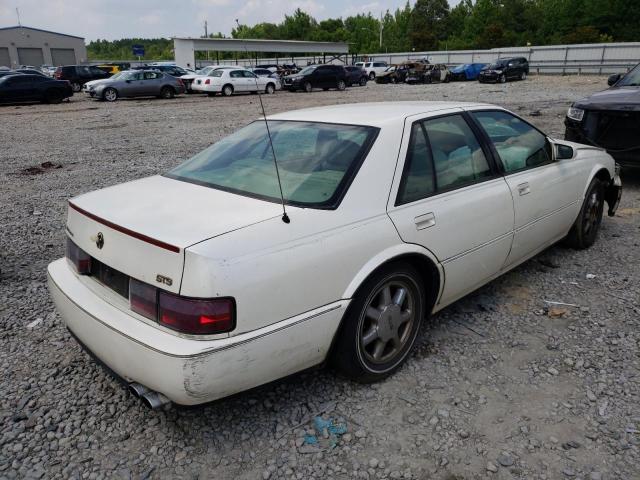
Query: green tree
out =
(427, 24)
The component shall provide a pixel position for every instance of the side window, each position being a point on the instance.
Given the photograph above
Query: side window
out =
(457, 156)
(518, 144)
(417, 178)
(248, 74)
(236, 74)
(151, 75)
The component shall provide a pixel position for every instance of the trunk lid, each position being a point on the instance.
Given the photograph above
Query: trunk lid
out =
(147, 224)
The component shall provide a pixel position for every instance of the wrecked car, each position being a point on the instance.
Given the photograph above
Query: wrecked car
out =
(239, 267)
(610, 119)
(466, 71)
(429, 74)
(397, 73)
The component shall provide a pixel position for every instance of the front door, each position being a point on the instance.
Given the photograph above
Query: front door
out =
(238, 81)
(452, 200)
(545, 192)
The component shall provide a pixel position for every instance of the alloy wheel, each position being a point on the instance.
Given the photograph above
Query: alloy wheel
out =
(592, 216)
(387, 322)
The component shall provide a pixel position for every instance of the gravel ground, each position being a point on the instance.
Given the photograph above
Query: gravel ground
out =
(500, 385)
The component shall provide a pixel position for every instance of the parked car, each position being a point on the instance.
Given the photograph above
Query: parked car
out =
(173, 70)
(137, 83)
(397, 73)
(373, 68)
(48, 70)
(78, 75)
(316, 76)
(505, 69)
(188, 78)
(466, 71)
(356, 76)
(272, 67)
(610, 119)
(229, 81)
(29, 71)
(215, 293)
(4, 73)
(33, 88)
(422, 73)
(110, 69)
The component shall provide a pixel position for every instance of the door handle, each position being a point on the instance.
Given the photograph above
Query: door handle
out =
(425, 221)
(524, 189)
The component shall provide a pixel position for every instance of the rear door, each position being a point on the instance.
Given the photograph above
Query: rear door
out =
(545, 192)
(451, 199)
(151, 83)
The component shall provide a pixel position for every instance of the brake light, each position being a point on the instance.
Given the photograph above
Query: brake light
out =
(78, 258)
(197, 316)
(207, 82)
(187, 315)
(143, 299)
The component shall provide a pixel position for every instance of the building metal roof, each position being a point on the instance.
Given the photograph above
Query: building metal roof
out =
(259, 45)
(39, 30)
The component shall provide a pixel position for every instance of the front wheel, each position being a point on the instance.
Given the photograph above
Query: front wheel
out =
(381, 325)
(341, 85)
(372, 76)
(503, 78)
(447, 78)
(308, 87)
(363, 82)
(270, 88)
(110, 94)
(523, 76)
(584, 231)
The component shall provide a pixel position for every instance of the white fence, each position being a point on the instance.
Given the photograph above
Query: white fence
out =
(596, 58)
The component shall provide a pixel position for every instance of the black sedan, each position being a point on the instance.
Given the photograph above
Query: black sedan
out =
(610, 119)
(33, 88)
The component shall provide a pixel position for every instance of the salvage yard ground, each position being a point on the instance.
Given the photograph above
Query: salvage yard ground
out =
(503, 384)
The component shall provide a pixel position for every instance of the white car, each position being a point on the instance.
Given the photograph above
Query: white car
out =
(190, 77)
(373, 68)
(229, 81)
(193, 285)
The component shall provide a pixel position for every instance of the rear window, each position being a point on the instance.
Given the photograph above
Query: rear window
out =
(316, 162)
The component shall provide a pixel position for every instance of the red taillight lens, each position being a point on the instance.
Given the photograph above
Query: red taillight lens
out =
(196, 316)
(143, 299)
(78, 258)
(207, 82)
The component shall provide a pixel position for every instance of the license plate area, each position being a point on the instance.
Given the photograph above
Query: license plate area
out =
(110, 277)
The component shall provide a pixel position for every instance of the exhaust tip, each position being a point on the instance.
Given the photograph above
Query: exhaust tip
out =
(137, 390)
(154, 400)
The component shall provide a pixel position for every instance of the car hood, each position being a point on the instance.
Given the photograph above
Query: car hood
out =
(616, 98)
(93, 83)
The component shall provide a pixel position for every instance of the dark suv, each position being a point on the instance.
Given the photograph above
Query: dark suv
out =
(78, 75)
(356, 76)
(504, 69)
(317, 76)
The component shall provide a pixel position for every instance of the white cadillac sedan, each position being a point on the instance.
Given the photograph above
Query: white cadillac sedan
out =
(228, 81)
(193, 285)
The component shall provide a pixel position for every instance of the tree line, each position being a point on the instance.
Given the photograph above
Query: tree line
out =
(433, 25)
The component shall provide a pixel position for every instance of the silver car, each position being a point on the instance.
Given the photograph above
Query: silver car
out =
(137, 83)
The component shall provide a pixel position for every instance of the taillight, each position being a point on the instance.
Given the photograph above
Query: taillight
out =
(78, 258)
(143, 299)
(207, 82)
(198, 316)
(187, 315)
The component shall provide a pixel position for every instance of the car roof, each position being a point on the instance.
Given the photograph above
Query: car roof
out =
(372, 114)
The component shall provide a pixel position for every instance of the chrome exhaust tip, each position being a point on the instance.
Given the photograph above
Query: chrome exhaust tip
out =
(154, 400)
(138, 390)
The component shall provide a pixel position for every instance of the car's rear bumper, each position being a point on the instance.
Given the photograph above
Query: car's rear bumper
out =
(189, 371)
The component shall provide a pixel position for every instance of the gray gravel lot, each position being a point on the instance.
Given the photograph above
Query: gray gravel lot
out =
(500, 386)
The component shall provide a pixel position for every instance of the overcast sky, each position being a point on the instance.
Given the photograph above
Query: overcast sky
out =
(112, 19)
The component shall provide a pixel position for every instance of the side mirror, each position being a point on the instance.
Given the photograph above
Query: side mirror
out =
(613, 79)
(563, 152)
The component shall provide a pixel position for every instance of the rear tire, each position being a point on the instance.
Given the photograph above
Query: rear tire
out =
(363, 82)
(372, 76)
(76, 87)
(584, 231)
(523, 76)
(167, 93)
(53, 97)
(381, 324)
(110, 94)
(227, 90)
(341, 85)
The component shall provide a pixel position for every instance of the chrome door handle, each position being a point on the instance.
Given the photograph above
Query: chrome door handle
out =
(425, 221)
(524, 189)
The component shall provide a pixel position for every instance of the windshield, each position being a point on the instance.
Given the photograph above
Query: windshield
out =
(631, 79)
(497, 65)
(307, 70)
(117, 76)
(316, 161)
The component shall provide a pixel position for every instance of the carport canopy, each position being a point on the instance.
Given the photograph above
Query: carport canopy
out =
(185, 48)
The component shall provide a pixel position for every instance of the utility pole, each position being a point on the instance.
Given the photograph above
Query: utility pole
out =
(206, 35)
(381, 32)
(18, 14)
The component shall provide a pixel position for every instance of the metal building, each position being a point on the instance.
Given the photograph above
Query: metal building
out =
(31, 46)
(185, 48)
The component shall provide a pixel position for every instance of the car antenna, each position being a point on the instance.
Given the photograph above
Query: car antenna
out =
(285, 217)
